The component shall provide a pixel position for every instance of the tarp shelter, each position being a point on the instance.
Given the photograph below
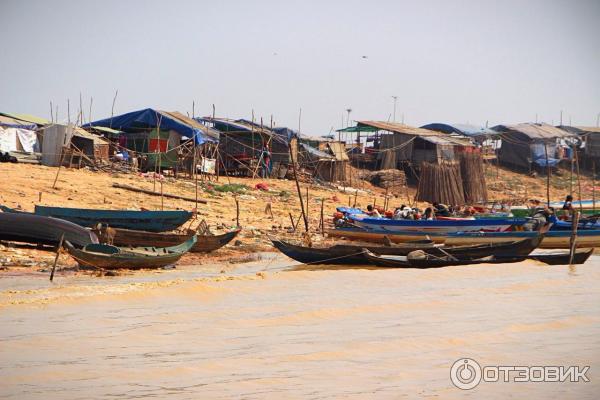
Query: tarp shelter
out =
(407, 144)
(326, 165)
(527, 144)
(242, 142)
(149, 119)
(17, 135)
(476, 132)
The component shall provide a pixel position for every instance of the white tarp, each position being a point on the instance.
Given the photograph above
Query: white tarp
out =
(28, 139)
(8, 140)
(17, 139)
(208, 165)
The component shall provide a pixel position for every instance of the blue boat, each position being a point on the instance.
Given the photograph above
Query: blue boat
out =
(436, 226)
(559, 225)
(151, 221)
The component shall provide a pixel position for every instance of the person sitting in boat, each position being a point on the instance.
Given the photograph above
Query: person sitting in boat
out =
(373, 212)
(429, 214)
(568, 206)
(441, 209)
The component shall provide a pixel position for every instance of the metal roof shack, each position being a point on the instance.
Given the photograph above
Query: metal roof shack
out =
(406, 144)
(590, 136)
(528, 144)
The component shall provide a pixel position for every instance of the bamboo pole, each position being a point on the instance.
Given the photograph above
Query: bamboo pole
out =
(307, 207)
(547, 175)
(60, 243)
(573, 241)
(322, 217)
(578, 182)
(298, 186)
(292, 221)
(237, 211)
(593, 186)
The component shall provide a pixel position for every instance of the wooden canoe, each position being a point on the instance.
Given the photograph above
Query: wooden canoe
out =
(105, 256)
(151, 221)
(35, 229)
(425, 263)
(552, 239)
(130, 237)
(354, 254)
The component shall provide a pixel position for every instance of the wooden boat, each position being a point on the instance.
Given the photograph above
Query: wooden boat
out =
(552, 239)
(35, 229)
(151, 221)
(354, 254)
(111, 257)
(343, 254)
(435, 226)
(424, 261)
(580, 257)
(129, 237)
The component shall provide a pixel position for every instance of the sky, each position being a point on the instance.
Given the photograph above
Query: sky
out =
(479, 62)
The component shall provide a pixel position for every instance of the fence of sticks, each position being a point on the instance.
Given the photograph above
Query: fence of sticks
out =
(454, 183)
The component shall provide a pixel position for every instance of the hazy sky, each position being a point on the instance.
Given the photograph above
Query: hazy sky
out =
(447, 61)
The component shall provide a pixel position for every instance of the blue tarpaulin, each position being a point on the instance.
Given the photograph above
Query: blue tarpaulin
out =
(150, 118)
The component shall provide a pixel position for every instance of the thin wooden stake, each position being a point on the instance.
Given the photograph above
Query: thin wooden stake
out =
(579, 183)
(594, 186)
(298, 186)
(60, 243)
(237, 212)
(292, 221)
(547, 175)
(573, 241)
(322, 217)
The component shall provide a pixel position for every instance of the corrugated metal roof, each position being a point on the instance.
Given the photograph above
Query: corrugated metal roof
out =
(594, 129)
(16, 123)
(31, 118)
(538, 131)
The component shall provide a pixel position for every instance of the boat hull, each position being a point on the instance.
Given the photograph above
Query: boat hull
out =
(151, 221)
(130, 237)
(437, 226)
(36, 229)
(99, 256)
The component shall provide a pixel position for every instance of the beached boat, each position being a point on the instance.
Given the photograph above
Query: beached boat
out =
(436, 226)
(129, 237)
(151, 221)
(111, 257)
(354, 253)
(36, 229)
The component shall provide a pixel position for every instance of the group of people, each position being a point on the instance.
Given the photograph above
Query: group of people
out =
(405, 212)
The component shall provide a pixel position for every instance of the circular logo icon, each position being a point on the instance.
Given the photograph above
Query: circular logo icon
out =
(465, 373)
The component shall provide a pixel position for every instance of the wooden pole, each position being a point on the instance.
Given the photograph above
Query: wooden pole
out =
(292, 221)
(112, 109)
(593, 186)
(547, 175)
(578, 182)
(60, 243)
(298, 186)
(307, 208)
(237, 212)
(322, 217)
(573, 241)
(355, 197)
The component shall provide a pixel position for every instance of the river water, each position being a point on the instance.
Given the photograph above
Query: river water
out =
(271, 330)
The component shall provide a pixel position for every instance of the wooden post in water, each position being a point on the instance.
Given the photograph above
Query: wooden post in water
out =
(355, 197)
(60, 243)
(573, 241)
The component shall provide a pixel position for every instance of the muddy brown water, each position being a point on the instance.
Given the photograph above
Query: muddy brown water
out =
(296, 332)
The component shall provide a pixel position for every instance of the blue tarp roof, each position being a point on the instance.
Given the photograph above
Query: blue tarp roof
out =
(462, 129)
(150, 118)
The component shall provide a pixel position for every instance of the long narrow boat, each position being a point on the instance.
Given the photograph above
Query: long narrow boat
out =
(425, 262)
(130, 237)
(354, 254)
(563, 258)
(436, 226)
(35, 229)
(111, 257)
(151, 221)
